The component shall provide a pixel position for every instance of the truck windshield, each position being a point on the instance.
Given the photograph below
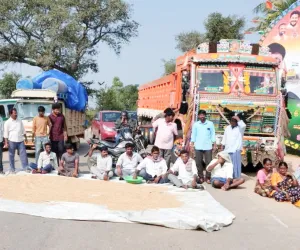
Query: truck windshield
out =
(30, 110)
(210, 81)
(111, 116)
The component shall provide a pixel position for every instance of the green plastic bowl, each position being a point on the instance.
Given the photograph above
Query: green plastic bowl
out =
(129, 179)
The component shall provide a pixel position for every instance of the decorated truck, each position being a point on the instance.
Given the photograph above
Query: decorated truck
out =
(224, 78)
(27, 107)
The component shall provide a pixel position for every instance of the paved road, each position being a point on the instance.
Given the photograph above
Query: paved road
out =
(260, 224)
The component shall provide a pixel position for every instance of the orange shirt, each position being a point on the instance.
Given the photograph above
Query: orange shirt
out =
(39, 125)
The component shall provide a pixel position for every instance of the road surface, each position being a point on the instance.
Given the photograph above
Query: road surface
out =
(260, 223)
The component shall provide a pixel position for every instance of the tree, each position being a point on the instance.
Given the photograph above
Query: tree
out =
(219, 27)
(169, 65)
(267, 16)
(189, 40)
(8, 84)
(63, 34)
(117, 97)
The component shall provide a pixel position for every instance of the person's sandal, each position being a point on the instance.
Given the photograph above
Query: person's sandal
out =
(94, 177)
(121, 179)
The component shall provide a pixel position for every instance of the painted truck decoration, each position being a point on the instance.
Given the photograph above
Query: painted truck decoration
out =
(223, 78)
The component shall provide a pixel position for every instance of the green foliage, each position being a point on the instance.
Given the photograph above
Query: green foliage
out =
(267, 16)
(63, 34)
(189, 40)
(169, 65)
(219, 27)
(89, 114)
(8, 84)
(117, 97)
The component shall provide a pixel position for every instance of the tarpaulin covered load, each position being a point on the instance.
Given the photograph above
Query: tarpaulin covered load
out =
(77, 95)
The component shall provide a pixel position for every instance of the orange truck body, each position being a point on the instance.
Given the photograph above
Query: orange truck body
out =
(249, 83)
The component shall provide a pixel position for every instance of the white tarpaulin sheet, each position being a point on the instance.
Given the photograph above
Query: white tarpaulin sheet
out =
(199, 211)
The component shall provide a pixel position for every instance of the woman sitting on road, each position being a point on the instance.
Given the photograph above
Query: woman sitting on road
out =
(285, 185)
(263, 184)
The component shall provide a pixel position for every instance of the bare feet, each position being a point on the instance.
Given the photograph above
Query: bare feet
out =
(194, 184)
(184, 186)
(225, 187)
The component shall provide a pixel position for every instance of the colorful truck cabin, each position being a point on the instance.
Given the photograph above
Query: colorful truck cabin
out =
(224, 78)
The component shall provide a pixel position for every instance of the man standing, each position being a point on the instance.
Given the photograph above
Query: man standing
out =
(166, 133)
(153, 168)
(103, 170)
(203, 140)
(127, 162)
(69, 163)
(46, 162)
(39, 131)
(1, 144)
(233, 142)
(187, 172)
(14, 134)
(58, 130)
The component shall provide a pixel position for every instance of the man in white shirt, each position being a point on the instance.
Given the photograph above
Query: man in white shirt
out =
(1, 144)
(187, 172)
(47, 161)
(166, 133)
(222, 172)
(103, 170)
(14, 134)
(153, 168)
(127, 162)
(233, 142)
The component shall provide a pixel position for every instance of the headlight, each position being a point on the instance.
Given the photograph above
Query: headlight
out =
(107, 128)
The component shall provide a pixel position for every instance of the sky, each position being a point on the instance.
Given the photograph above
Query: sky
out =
(160, 21)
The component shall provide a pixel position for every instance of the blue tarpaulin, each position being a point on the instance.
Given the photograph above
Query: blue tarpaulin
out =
(77, 95)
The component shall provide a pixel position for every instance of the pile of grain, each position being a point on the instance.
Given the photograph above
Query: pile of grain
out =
(113, 195)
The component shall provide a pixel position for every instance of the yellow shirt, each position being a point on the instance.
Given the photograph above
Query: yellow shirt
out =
(39, 125)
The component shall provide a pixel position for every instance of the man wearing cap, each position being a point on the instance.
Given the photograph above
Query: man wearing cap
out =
(222, 172)
(233, 142)
(103, 170)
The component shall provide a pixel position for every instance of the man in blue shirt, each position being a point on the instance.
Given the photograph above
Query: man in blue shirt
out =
(203, 141)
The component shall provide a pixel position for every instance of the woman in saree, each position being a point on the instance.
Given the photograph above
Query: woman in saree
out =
(263, 185)
(285, 185)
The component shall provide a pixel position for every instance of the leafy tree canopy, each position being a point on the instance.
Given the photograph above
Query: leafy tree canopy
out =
(63, 34)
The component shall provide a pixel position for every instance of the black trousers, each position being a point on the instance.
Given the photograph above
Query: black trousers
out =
(203, 156)
(58, 147)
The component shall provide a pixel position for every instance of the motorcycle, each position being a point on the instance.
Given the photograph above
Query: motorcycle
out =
(115, 149)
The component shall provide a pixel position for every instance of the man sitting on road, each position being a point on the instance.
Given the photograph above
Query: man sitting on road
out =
(103, 170)
(69, 163)
(153, 168)
(47, 161)
(187, 172)
(222, 172)
(127, 162)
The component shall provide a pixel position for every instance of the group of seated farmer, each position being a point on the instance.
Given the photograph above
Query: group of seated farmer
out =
(277, 183)
(154, 169)
(47, 161)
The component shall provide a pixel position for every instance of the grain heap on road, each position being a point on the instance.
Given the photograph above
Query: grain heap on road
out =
(113, 195)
